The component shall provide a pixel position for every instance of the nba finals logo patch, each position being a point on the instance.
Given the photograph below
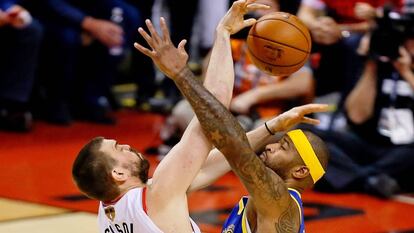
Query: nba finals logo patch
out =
(229, 229)
(110, 212)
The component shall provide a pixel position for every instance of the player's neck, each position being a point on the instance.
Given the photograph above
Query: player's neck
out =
(125, 187)
(123, 191)
(295, 185)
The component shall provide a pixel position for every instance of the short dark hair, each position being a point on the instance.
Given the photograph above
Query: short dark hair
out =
(92, 170)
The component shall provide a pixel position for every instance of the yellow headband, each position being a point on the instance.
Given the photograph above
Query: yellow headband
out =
(305, 150)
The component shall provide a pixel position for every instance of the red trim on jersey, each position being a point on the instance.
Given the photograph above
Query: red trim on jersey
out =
(112, 202)
(144, 199)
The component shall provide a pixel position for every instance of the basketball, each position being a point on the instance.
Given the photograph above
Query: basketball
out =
(279, 43)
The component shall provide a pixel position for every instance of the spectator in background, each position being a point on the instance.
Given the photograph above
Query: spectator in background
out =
(182, 13)
(336, 28)
(259, 96)
(408, 6)
(142, 70)
(208, 15)
(181, 20)
(376, 154)
(20, 37)
(84, 43)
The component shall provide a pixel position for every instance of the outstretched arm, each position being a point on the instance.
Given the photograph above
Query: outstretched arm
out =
(360, 102)
(265, 186)
(216, 165)
(176, 172)
(219, 80)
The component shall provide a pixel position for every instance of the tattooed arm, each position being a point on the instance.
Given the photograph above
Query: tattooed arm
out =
(265, 186)
(193, 148)
(216, 164)
(218, 124)
(223, 130)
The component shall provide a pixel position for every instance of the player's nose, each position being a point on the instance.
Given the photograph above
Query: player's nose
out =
(270, 148)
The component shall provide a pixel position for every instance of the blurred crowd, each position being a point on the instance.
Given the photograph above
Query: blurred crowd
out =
(61, 58)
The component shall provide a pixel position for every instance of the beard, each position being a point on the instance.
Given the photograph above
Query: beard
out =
(280, 170)
(141, 168)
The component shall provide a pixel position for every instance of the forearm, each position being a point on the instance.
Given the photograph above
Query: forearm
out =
(357, 27)
(359, 104)
(216, 164)
(217, 122)
(308, 15)
(219, 82)
(214, 167)
(219, 79)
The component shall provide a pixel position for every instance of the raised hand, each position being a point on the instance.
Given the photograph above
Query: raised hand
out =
(169, 59)
(296, 115)
(233, 21)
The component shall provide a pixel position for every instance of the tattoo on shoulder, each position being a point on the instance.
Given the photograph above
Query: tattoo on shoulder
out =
(286, 222)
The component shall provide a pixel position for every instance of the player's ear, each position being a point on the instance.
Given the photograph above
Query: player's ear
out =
(300, 172)
(119, 174)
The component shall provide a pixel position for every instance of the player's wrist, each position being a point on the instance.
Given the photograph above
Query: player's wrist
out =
(222, 30)
(275, 125)
(269, 130)
(180, 73)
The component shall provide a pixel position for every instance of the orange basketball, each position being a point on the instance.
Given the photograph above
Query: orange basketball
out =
(279, 43)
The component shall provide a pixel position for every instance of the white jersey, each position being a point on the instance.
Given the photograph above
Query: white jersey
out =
(127, 215)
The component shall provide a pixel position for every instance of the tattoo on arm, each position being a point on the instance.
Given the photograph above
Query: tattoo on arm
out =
(286, 221)
(218, 123)
(264, 183)
(224, 131)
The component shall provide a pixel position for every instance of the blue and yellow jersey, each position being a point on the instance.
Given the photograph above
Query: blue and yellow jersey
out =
(298, 200)
(237, 221)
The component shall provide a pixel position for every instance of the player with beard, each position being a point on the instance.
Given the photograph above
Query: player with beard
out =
(117, 175)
